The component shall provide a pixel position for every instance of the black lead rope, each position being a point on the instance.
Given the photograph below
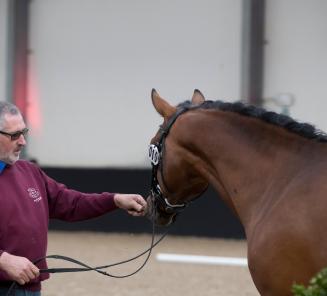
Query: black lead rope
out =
(98, 268)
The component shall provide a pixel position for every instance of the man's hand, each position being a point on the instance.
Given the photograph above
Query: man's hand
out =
(19, 269)
(134, 204)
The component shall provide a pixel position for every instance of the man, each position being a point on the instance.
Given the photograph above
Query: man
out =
(29, 198)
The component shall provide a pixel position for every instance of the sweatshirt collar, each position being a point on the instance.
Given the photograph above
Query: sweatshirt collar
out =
(2, 166)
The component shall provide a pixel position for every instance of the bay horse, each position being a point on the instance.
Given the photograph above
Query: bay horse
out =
(268, 168)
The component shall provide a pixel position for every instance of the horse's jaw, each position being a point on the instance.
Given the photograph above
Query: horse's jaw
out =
(156, 216)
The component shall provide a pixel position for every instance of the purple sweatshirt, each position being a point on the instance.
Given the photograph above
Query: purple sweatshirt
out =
(28, 199)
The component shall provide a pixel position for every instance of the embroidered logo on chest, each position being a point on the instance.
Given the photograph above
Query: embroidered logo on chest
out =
(34, 194)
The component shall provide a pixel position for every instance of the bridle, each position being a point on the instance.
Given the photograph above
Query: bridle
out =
(156, 154)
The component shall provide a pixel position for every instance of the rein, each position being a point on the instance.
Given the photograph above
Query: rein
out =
(98, 268)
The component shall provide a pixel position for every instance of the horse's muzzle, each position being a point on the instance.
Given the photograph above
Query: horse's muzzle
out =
(156, 215)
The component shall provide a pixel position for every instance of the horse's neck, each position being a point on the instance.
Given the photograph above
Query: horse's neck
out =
(242, 158)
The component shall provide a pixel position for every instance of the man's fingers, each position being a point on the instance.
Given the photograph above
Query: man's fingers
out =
(32, 273)
(134, 204)
(141, 204)
(20, 281)
(35, 271)
(135, 213)
(139, 207)
(22, 278)
(141, 200)
(29, 273)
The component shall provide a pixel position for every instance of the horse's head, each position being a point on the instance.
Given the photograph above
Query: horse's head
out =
(175, 180)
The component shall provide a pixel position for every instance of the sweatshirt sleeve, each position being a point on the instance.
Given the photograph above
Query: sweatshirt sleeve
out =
(71, 205)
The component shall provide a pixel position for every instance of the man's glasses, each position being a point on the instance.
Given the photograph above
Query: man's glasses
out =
(15, 136)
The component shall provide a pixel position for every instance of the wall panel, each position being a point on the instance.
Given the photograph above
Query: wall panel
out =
(93, 65)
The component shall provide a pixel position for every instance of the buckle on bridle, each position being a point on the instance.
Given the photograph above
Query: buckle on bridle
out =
(167, 206)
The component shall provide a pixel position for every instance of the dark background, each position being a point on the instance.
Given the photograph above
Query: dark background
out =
(208, 216)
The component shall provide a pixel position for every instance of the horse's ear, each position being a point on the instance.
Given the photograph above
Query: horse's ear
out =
(161, 105)
(198, 98)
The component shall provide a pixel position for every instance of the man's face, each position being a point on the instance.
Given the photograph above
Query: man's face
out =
(10, 149)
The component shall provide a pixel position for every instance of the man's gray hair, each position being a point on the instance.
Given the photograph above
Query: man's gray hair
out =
(7, 108)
